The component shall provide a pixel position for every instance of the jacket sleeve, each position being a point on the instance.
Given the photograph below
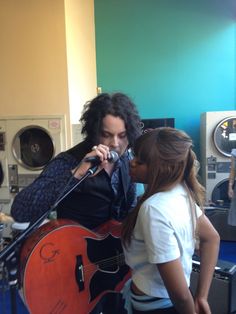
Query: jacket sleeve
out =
(34, 200)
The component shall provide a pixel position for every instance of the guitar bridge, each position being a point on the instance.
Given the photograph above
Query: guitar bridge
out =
(79, 272)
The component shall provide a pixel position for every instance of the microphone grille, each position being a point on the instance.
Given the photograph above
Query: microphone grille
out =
(113, 156)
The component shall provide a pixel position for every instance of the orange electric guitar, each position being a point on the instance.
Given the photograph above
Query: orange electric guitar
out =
(66, 268)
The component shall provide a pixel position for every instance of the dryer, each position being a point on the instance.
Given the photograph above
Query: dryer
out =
(218, 138)
(27, 144)
(4, 193)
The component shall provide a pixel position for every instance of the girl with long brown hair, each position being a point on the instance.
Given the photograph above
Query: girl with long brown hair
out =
(160, 235)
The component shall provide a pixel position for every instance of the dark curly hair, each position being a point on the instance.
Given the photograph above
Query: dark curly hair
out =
(118, 105)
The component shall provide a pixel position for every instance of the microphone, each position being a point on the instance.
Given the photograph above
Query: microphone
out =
(95, 160)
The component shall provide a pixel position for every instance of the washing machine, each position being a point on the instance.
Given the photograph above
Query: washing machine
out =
(4, 193)
(218, 138)
(27, 144)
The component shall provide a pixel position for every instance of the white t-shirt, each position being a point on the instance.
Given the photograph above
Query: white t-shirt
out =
(163, 232)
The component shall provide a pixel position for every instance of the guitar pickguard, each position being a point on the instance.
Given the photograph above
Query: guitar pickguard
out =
(107, 254)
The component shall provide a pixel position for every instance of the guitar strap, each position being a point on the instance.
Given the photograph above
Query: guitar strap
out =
(124, 170)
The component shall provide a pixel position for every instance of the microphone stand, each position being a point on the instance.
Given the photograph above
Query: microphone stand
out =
(10, 254)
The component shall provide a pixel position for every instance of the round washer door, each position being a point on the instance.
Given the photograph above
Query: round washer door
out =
(224, 136)
(1, 174)
(33, 147)
(220, 194)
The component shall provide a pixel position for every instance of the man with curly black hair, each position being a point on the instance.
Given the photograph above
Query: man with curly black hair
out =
(110, 124)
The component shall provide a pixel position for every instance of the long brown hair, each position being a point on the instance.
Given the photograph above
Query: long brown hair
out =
(168, 155)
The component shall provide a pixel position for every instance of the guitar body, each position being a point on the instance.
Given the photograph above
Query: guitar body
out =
(67, 268)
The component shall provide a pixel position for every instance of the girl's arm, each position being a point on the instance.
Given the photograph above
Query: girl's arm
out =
(208, 253)
(173, 276)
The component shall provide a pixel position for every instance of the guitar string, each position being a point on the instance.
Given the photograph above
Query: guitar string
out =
(118, 260)
(108, 261)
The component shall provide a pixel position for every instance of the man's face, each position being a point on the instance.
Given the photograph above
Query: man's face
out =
(114, 134)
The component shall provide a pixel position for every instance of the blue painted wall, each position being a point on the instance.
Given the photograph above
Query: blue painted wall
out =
(174, 58)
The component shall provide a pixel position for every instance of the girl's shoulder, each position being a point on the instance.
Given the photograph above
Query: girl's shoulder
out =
(165, 199)
(169, 194)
